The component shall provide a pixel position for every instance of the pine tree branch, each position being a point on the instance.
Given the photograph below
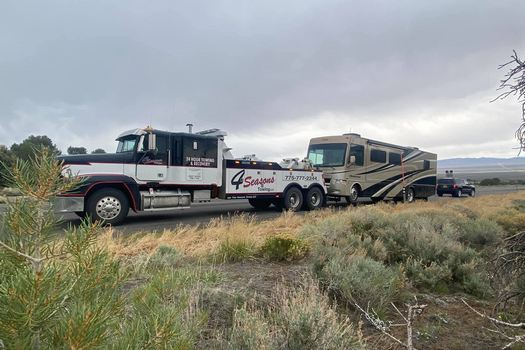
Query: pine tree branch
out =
(28, 257)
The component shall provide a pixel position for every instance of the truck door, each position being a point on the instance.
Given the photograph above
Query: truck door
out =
(153, 165)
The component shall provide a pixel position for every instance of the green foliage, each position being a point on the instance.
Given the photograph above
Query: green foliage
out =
(284, 248)
(299, 319)
(165, 313)
(235, 249)
(250, 331)
(480, 232)
(7, 159)
(56, 291)
(76, 150)
(361, 280)
(435, 249)
(165, 258)
(512, 219)
(490, 182)
(98, 151)
(26, 148)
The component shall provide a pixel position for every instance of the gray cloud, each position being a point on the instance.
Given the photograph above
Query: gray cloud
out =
(278, 72)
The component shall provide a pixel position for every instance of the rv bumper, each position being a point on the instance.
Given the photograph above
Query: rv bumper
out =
(68, 204)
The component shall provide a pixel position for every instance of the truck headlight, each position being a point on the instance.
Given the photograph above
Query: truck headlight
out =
(338, 181)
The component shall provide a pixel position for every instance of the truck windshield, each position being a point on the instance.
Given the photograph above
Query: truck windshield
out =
(327, 154)
(127, 144)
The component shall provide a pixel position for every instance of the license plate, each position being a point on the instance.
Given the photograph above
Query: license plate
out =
(445, 186)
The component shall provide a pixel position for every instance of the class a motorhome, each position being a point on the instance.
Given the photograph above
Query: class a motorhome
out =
(356, 167)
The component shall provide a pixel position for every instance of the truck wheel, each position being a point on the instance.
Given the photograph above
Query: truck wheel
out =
(473, 193)
(293, 199)
(458, 193)
(314, 198)
(260, 204)
(108, 205)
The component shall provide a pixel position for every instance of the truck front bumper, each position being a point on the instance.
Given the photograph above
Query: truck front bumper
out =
(68, 204)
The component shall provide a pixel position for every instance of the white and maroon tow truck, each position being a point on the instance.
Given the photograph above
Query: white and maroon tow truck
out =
(155, 170)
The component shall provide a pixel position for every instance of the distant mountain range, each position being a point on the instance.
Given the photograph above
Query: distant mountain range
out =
(484, 162)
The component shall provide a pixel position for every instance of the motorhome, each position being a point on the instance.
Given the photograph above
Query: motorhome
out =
(355, 167)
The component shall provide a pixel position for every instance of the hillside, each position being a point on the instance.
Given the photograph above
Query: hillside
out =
(507, 169)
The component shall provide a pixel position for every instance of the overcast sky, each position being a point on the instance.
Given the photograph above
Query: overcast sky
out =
(273, 74)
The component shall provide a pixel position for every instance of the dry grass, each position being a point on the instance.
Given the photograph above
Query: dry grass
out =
(198, 242)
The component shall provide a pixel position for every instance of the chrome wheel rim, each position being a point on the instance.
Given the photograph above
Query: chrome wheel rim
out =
(410, 196)
(108, 207)
(354, 194)
(315, 199)
(459, 193)
(294, 200)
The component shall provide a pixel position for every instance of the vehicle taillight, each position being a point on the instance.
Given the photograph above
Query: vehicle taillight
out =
(455, 186)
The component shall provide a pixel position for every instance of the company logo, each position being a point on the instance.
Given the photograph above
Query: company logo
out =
(259, 182)
(238, 179)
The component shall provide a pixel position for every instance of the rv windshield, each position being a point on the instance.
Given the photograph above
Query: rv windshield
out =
(126, 144)
(327, 154)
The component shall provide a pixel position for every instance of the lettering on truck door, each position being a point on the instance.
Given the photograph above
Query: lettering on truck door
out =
(153, 165)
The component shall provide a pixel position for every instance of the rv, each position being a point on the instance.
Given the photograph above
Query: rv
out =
(355, 167)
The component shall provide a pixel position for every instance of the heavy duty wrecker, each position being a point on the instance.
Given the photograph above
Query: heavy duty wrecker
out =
(155, 170)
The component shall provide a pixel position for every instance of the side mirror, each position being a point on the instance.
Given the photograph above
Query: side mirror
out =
(152, 142)
(351, 160)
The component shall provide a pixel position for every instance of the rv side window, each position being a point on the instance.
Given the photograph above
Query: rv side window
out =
(359, 152)
(378, 156)
(394, 158)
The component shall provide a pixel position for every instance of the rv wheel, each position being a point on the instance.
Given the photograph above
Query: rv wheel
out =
(293, 199)
(354, 195)
(314, 198)
(410, 196)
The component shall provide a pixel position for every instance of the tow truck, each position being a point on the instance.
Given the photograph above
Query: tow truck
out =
(154, 170)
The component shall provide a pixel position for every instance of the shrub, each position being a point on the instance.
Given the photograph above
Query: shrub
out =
(307, 321)
(164, 313)
(165, 257)
(511, 220)
(362, 280)
(490, 182)
(300, 319)
(480, 232)
(284, 248)
(428, 243)
(250, 331)
(234, 249)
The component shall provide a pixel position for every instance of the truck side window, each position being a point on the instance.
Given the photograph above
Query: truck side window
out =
(160, 156)
(199, 152)
(359, 152)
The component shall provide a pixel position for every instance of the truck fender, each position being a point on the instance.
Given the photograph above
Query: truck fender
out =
(122, 182)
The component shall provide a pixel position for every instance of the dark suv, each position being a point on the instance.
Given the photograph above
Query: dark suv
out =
(455, 187)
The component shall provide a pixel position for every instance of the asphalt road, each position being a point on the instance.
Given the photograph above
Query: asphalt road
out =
(202, 213)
